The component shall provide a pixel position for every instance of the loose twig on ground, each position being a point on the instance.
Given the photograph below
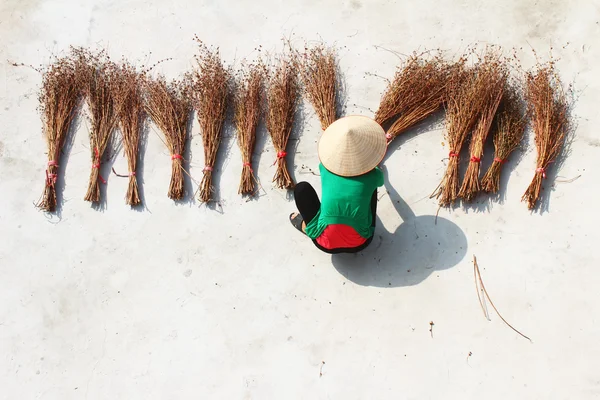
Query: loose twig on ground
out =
(548, 110)
(211, 87)
(480, 286)
(248, 109)
(282, 97)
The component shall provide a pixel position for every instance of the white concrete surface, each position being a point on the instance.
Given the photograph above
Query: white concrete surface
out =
(184, 302)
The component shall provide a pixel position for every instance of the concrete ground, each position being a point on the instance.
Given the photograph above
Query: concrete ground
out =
(188, 302)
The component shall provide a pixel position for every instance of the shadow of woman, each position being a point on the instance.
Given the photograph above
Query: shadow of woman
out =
(420, 246)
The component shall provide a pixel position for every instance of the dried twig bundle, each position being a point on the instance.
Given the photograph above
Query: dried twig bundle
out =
(465, 103)
(549, 114)
(318, 70)
(169, 106)
(493, 75)
(211, 86)
(59, 98)
(131, 121)
(98, 78)
(247, 113)
(282, 97)
(417, 91)
(509, 130)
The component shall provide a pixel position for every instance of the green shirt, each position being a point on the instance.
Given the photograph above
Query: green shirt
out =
(346, 201)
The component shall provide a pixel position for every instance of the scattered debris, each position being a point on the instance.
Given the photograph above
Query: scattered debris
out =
(480, 287)
(431, 324)
(321, 369)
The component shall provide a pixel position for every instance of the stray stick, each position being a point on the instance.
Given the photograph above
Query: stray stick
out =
(478, 279)
(431, 324)
(321, 369)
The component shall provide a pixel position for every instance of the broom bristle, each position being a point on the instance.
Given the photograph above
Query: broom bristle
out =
(493, 75)
(282, 95)
(548, 108)
(169, 106)
(98, 79)
(59, 98)
(318, 71)
(465, 103)
(248, 98)
(417, 91)
(129, 96)
(211, 86)
(509, 130)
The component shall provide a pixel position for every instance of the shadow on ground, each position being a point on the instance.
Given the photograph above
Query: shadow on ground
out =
(419, 247)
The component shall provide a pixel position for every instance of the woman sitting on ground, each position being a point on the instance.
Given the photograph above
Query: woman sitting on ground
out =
(344, 222)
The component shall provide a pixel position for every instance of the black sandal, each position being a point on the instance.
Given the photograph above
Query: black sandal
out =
(296, 221)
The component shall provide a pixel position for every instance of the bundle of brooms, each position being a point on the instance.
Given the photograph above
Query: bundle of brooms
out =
(548, 109)
(493, 75)
(247, 99)
(509, 129)
(59, 98)
(466, 99)
(169, 106)
(318, 71)
(98, 79)
(131, 122)
(416, 92)
(210, 90)
(282, 97)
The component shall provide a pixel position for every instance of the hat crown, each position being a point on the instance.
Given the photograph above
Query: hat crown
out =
(352, 146)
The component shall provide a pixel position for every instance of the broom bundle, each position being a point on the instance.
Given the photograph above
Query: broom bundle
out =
(465, 102)
(210, 89)
(169, 106)
(549, 115)
(417, 91)
(509, 130)
(318, 71)
(247, 113)
(59, 98)
(98, 77)
(282, 97)
(493, 75)
(131, 121)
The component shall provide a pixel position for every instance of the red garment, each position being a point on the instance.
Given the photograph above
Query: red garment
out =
(339, 236)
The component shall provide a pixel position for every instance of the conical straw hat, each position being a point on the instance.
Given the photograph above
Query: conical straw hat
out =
(352, 146)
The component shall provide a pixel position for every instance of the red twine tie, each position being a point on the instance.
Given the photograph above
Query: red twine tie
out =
(97, 165)
(453, 154)
(132, 173)
(280, 155)
(542, 171)
(388, 136)
(475, 159)
(50, 179)
(176, 157)
(501, 161)
(249, 165)
(207, 168)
